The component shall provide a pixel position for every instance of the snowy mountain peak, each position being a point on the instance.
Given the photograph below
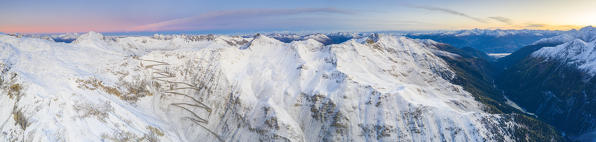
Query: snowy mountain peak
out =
(90, 37)
(588, 29)
(208, 88)
(587, 34)
(578, 48)
(322, 38)
(263, 40)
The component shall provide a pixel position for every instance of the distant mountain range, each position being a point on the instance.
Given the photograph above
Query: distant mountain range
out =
(490, 41)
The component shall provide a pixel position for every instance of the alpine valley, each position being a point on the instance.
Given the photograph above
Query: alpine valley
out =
(300, 87)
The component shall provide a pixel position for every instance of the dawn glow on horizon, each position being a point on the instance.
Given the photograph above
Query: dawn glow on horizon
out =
(61, 16)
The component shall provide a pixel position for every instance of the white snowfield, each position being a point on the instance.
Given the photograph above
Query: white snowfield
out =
(226, 88)
(578, 49)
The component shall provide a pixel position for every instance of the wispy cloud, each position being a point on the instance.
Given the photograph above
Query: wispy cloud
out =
(535, 25)
(230, 19)
(449, 11)
(502, 19)
(551, 27)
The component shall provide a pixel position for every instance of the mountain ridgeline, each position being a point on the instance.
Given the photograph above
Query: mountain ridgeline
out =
(319, 87)
(290, 87)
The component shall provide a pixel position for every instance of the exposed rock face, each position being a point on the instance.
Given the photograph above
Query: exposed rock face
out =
(222, 88)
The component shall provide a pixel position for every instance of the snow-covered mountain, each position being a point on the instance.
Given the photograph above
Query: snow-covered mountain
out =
(65, 37)
(232, 88)
(578, 49)
(554, 78)
(326, 39)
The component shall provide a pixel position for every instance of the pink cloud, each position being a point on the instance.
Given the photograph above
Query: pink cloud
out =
(228, 19)
(61, 29)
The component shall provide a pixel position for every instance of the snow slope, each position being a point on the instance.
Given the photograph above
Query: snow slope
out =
(226, 88)
(578, 48)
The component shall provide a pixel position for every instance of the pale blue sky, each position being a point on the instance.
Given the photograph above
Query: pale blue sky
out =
(286, 15)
